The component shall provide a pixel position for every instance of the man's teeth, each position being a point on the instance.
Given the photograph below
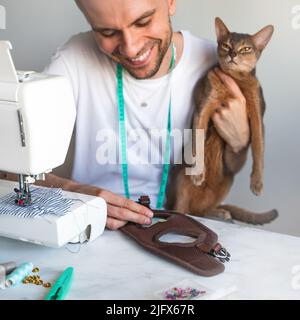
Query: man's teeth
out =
(142, 57)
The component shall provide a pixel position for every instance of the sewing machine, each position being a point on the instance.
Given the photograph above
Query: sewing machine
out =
(37, 116)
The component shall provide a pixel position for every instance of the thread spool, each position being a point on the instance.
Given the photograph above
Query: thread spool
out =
(9, 266)
(19, 274)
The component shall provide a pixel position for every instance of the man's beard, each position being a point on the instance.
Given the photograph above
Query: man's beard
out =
(163, 48)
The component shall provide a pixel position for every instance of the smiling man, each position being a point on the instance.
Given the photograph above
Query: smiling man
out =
(132, 48)
(136, 34)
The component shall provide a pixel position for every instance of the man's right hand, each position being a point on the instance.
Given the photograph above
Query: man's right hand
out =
(120, 210)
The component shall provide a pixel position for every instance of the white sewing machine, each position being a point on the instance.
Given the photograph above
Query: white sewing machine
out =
(37, 116)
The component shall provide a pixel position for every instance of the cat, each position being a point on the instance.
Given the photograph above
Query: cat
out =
(203, 194)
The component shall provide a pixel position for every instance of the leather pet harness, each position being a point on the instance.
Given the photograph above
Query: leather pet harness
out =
(205, 256)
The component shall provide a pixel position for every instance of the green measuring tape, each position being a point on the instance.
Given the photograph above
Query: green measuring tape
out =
(122, 128)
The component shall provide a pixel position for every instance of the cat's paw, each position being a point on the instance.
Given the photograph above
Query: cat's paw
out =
(256, 185)
(198, 179)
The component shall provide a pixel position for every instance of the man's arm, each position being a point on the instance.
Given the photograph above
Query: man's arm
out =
(120, 210)
(51, 181)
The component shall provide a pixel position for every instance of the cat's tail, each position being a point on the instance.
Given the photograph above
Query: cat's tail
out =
(250, 217)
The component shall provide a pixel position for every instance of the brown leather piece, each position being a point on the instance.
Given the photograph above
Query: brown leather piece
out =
(195, 256)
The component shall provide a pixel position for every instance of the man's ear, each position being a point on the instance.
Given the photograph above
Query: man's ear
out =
(262, 37)
(172, 7)
(221, 29)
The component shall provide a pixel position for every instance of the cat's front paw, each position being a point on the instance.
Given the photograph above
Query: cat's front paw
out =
(198, 179)
(256, 185)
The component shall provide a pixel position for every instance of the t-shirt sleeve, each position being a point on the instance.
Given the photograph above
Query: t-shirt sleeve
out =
(59, 65)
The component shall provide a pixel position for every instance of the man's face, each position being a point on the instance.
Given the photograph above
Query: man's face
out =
(134, 33)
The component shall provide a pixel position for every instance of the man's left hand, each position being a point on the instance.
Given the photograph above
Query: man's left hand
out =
(231, 120)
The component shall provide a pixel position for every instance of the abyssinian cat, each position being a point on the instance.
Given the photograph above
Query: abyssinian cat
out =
(202, 194)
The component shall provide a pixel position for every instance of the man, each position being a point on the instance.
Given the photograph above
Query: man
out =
(136, 34)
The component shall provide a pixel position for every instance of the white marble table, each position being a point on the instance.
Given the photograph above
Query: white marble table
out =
(264, 265)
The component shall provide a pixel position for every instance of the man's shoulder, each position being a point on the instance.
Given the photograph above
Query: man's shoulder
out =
(200, 53)
(199, 41)
(81, 50)
(199, 46)
(80, 43)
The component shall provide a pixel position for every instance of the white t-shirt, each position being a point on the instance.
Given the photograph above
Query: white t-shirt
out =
(97, 159)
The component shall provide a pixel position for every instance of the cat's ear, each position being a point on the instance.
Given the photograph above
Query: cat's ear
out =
(221, 29)
(262, 37)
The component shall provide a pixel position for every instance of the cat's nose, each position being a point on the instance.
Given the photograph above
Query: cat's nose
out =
(233, 54)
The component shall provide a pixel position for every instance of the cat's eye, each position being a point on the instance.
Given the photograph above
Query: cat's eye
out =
(246, 50)
(226, 47)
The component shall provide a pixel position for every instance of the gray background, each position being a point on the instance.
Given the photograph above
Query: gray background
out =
(37, 27)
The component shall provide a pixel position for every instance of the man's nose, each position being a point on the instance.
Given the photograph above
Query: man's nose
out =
(130, 46)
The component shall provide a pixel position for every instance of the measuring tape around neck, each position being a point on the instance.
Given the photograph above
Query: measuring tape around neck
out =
(122, 128)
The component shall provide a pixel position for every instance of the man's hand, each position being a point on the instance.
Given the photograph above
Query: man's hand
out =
(120, 210)
(231, 119)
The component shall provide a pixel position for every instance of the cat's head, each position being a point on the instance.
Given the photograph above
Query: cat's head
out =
(239, 52)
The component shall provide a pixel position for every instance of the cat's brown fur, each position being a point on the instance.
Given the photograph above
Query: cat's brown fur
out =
(202, 194)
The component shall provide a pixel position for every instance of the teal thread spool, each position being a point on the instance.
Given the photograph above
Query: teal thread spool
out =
(19, 274)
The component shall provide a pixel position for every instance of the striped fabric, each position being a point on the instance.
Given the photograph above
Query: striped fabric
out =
(44, 201)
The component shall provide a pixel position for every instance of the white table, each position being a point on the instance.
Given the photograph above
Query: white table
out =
(264, 265)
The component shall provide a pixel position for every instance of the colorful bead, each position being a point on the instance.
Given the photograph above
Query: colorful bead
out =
(183, 294)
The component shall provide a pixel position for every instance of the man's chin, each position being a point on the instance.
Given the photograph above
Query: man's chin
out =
(141, 74)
